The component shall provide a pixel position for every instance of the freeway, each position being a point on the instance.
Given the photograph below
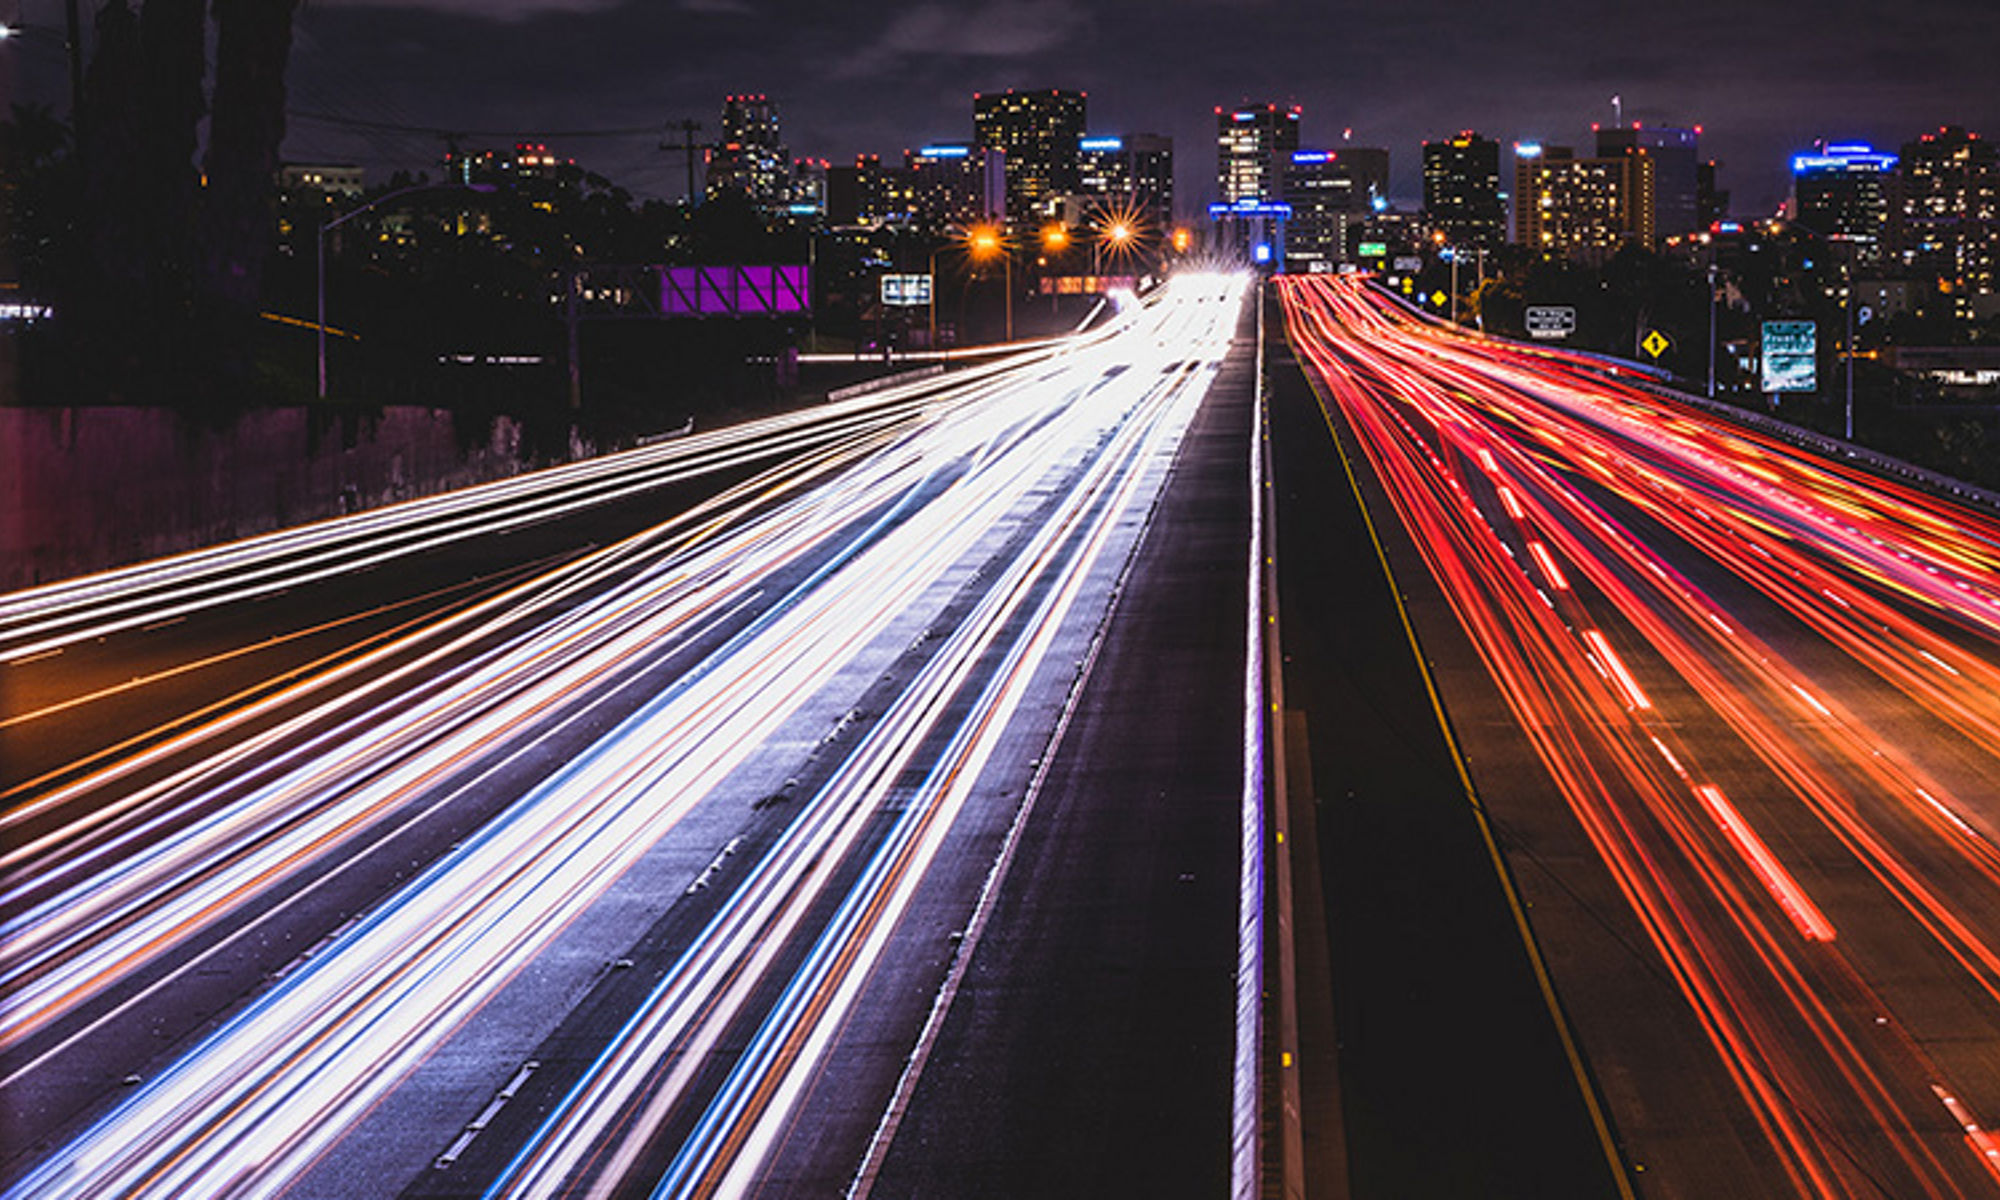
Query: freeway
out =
(1735, 717)
(601, 876)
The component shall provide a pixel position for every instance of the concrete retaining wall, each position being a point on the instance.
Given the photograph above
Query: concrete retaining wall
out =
(89, 488)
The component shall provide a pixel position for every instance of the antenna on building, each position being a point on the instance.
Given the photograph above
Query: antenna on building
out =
(1617, 113)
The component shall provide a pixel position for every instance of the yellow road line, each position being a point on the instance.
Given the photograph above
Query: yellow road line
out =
(1607, 1143)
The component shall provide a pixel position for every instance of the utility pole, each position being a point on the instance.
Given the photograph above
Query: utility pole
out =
(573, 280)
(1711, 321)
(1481, 287)
(75, 74)
(686, 148)
(1451, 312)
(1847, 302)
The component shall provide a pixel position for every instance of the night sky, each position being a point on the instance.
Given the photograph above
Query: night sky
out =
(1763, 79)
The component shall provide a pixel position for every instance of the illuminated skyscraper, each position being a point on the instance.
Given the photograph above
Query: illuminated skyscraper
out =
(1133, 171)
(1333, 194)
(1676, 155)
(1038, 132)
(1848, 191)
(1951, 217)
(1462, 190)
(1581, 208)
(750, 159)
(955, 183)
(1253, 144)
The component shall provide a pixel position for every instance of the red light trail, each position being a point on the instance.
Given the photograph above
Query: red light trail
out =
(1766, 685)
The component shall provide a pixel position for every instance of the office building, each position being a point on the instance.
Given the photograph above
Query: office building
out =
(750, 159)
(1253, 144)
(955, 183)
(1581, 208)
(1038, 133)
(1950, 220)
(1332, 194)
(1462, 191)
(1848, 191)
(808, 199)
(1129, 173)
(1711, 200)
(1676, 171)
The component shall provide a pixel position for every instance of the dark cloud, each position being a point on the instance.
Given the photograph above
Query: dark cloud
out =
(1763, 79)
(490, 10)
(1000, 29)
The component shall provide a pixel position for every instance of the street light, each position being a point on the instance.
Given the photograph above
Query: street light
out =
(344, 218)
(933, 297)
(1711, 318)
(1853, 241)
(1118, 234)
(1450, 254)
(1055, 239)
(983, 242)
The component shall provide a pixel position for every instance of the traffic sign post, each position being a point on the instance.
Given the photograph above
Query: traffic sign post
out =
(912, 291)
(1551, 320)
(1656, 344)
(1790, 357)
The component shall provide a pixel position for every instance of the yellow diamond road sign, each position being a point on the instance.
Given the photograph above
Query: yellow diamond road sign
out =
(1438, 299)
(1656, 344)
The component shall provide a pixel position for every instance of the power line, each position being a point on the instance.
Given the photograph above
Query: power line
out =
(436, 131)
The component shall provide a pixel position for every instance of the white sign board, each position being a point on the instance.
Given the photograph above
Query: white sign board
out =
(1790, 357)
(907, 290)
(1551, 320)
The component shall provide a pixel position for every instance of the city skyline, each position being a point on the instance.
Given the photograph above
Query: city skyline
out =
(1765, 82)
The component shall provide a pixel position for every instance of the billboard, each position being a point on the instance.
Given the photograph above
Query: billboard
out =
(906, 290)
(735, 291)
(1791, 357)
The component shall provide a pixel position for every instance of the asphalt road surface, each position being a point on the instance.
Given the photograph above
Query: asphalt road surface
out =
(633, 869)
(1731, 708)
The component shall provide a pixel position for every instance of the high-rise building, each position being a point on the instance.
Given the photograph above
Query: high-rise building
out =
(1848, 191)
(1950, 227)
(1462, 190)
(1581, 208)
(1676, 155)
(808, 191)
(750, 160)
(955, 183)
(1038, 132)
(1253, 144)
(1711, 200)
(1130, 172)
(1332, 194)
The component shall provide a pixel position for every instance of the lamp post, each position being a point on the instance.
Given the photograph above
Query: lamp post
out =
(1118, 235)
(933, 298)
(1711, 320)
(1449, 253)
(984, 241)
(1853, 241)
(1055, 239)
(319, 324)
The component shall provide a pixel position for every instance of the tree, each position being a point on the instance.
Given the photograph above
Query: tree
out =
(148, 312)
(253, 42)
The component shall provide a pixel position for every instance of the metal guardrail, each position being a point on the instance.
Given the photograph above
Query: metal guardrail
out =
(1661, 382)
(884, 382)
